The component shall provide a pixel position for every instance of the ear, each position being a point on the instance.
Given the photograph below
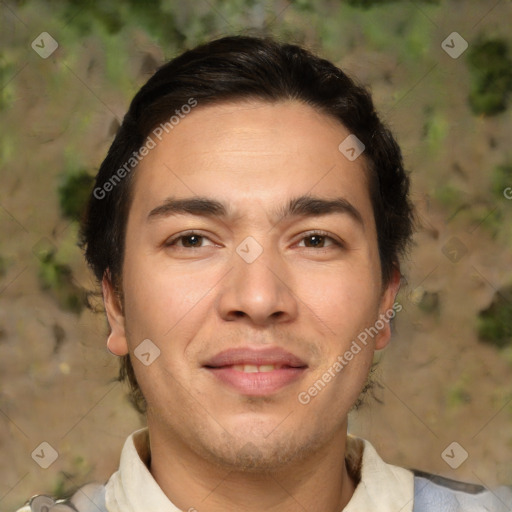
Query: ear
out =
(116, 343)
(387, 310)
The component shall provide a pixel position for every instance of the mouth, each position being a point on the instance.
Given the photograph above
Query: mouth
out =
(252, 368)
(256, 372)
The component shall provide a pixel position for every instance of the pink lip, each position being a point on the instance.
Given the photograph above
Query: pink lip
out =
(258, 357)
(257, 383)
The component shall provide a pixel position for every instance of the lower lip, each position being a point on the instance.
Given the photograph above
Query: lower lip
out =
(257, 383)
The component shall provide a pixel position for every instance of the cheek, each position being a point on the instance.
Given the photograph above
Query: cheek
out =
(164, 303)
(169, 303)
(342, 305)
(345, 298)
(334, 386)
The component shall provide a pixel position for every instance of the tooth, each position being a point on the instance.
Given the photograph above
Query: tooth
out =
(266, 368)
(238, 367)
(250, 368)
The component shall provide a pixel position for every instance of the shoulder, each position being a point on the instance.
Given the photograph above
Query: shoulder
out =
(89, 498)
(435, 493)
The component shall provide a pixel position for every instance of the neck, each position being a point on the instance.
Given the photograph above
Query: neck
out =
(319, 482)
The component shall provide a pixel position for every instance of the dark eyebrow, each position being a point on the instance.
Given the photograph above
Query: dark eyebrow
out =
(310, 206)
(192, 206)
(303, 206)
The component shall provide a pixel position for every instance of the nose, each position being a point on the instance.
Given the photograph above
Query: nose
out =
(259, 292)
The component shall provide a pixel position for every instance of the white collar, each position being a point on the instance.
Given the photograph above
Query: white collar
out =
(382, 488)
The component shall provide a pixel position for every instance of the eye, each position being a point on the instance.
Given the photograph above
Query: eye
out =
(319, 240)
(189, 240)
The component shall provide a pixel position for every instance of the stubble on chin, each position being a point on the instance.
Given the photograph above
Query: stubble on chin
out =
(259, 452)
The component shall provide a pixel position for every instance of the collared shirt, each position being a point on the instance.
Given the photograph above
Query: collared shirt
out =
(381, 488)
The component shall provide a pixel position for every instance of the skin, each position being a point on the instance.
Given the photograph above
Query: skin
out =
(213, 448)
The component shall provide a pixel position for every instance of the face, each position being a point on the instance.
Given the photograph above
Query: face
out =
(251, 263)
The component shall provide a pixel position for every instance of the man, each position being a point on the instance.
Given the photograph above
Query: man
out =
(247, 227)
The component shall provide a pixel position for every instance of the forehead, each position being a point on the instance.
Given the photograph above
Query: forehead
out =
(251, 153)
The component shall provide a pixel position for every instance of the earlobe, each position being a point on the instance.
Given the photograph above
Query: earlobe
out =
(116, 346)
(116, 343)
(388, 310)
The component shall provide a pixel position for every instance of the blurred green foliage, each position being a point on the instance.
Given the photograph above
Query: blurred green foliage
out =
(458, 394)
(491, 76)
(435, 128)
(3, 266)
(479, 214)
(429, 303)
(366, 4)
(491, 220)
(114, 16)
(7, 71)
(57, 278)
(64, 485)
(74, 193)
(501, 179)
(395, 29)
(447, 195)
(495, 322)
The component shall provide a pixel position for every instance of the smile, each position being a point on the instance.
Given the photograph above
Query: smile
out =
(256, 372)
(251, 368)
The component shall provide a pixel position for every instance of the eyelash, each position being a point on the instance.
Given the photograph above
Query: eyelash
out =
(336, 243)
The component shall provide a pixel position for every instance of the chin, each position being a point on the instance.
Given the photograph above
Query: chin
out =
(252, 452)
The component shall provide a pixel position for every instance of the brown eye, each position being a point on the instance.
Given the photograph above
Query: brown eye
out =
(189, 241)
(315, 241)
(318, 241)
